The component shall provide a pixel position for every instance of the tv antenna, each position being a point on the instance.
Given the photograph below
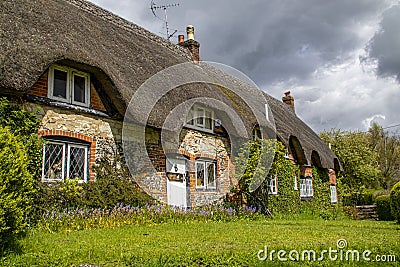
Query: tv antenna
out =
(154, 7)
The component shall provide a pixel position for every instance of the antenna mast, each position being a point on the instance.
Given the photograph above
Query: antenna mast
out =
(154, 7)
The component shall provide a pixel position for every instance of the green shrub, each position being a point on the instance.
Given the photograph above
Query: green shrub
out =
(358, 198)
(16, 187)
(56, 196)
(114, 184)
(25, 125)
(111, 191)
(395, 201)
(383, 209)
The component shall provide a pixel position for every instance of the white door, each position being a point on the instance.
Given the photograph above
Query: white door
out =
(176, 193)
(176, 182)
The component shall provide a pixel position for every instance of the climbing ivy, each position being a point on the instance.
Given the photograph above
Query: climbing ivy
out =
(287, 200)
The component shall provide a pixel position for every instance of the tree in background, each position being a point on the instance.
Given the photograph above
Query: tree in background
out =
(369, 159)
(358, 158)
(388, 150)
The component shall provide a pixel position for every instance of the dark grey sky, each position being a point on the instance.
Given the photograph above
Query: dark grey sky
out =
(339, 58)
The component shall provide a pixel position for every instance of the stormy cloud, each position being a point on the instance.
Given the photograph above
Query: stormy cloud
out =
(337, 57)
(384, 46)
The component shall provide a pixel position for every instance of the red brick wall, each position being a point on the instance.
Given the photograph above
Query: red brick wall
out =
(40, 87)
(157, 157)
(332, 176)
(95, 101)
(306, 171)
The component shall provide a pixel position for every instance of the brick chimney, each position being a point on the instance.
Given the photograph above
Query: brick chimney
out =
(190, 44)
(288, 99)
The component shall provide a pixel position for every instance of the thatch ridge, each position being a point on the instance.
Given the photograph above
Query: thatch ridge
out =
(127, 25)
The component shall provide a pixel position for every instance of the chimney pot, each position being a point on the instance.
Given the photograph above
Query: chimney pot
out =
(181, 38)
(288, 99)
(190, 32)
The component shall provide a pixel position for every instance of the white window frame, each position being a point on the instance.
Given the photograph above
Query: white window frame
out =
(286, 154)
(65, 161)
(69, 84)
(306, 187)
(273, 185)
(295, 185)
(194, 116)
(334, 197)
(205, 164)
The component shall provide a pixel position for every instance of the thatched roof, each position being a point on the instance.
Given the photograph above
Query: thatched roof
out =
(122, 56)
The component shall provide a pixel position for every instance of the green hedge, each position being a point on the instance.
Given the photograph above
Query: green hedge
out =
(16, 188)
(358, 198)
(395, 201)
(383, 208)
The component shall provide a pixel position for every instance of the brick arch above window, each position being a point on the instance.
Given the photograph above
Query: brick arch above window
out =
(181, 152)
(205, 156)
(191, 156)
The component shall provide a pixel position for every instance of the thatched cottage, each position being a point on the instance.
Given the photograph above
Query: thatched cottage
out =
(78, 66)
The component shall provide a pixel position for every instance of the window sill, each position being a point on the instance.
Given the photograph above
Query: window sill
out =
(193, 127)
(60, 104)
(54, 181)
(202, 189)
(307, 198)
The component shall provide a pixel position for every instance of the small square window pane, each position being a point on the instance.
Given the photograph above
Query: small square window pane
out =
(199, 174)
(60, 84)
(303, 189)
(208, 120)
(200, 117)
(211, 174)
(190, 117)
(79, 89)
(309, 187)
(53, 160)
(272, 185)
(334, 199)
(295, 182)
(77, 163)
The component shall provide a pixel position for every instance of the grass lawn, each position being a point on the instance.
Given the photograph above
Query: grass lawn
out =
(207, 244)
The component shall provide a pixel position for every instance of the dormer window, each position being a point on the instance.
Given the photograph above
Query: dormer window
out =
(201, 118)
(69, 85)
